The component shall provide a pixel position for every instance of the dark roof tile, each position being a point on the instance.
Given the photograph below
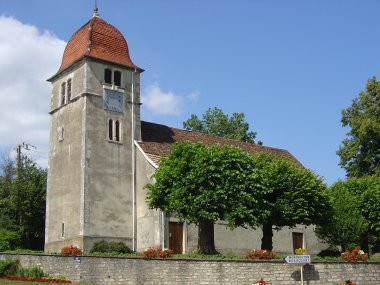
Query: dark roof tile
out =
(156, 141)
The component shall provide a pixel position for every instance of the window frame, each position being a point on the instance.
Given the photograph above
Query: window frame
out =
(63, 94)
(114, 130)
(69, 84)
(115, 75)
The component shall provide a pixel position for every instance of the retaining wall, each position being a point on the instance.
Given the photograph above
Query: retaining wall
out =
(123, 271)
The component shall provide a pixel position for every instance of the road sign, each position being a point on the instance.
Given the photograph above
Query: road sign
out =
(298, 258)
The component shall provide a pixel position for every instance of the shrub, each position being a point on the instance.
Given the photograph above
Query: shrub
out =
(33, 272)
(156, 251)
(103, 246)
(354, 255)
(260, 254)
(71, 250)
(9, 267)
(329, 253)
(9, 239)
(36, 272)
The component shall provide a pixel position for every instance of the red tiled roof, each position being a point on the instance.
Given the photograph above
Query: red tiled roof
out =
(100, 40)
(156, 141)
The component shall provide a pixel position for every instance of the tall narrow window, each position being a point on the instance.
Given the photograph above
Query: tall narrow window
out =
(110, 129)
(117, 78)
(108, 76)
(63, 93)
(117, 131)
(69, 90)
(63, 230)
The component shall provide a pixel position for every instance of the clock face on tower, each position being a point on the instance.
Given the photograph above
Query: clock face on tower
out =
(113, 101)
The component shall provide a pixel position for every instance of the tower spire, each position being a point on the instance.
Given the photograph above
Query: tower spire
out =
(95, 14)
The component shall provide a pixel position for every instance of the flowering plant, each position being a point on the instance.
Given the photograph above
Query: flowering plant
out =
(348, 282)
(259, 254)
(354, 255)
(156, 251)
(71, 250)
(262, 282)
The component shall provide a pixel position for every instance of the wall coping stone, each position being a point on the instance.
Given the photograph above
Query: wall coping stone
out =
(194, 259)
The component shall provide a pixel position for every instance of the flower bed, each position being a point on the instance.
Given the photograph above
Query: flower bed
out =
(260, 254)
(71, 250)
(156, 252)
(354, 255)
(348, 282)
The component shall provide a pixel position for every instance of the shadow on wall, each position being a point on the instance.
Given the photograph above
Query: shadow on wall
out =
(309, 274)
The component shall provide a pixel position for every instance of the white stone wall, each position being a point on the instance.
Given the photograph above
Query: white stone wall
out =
(125, 271)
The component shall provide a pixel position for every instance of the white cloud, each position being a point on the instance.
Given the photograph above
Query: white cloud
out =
(27, 58)
(165, 103)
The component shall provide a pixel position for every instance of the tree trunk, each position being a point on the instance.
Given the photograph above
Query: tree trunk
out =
(365, 243)
(206, 243)
(267, 240)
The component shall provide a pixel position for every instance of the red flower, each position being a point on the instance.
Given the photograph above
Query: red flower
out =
(156, 251)
(71, 250)
(354, 255)
(259, 254)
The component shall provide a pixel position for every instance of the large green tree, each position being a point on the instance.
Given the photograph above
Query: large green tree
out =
(214, 121)
(293, 195)
(22, 204)
(356, 213)
(360, 150)
(201, 184)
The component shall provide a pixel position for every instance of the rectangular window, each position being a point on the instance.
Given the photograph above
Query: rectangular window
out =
(68, 90)
(117, 78)
(107, 76)
(63, 93)
(110, 129)
(63, 230)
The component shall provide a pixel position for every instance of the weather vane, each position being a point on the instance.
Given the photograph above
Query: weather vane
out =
(96, 9)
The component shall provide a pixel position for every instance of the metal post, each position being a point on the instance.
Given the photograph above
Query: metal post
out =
(301, 274)
(18, 160)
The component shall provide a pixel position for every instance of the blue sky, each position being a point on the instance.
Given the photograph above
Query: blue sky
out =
(289, 66)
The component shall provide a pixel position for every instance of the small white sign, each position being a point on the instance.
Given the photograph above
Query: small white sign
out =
(298, 258)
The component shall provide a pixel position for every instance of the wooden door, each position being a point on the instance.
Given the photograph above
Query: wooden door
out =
(297, 241)
(176, 237)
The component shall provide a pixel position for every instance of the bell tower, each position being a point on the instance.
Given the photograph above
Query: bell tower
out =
(95, 119)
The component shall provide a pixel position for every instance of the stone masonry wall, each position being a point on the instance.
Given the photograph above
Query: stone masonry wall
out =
(123, 271)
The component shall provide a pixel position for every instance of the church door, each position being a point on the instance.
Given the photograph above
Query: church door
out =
(176, 237)
(297, 241)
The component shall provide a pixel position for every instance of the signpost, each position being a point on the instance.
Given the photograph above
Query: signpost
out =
(298, 259)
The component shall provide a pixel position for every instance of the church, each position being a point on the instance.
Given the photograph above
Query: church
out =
(101, 155)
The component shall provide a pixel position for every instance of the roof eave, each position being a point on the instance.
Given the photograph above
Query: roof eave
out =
(59, 72)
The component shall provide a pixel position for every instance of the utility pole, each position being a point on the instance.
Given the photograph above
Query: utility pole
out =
(19, 155)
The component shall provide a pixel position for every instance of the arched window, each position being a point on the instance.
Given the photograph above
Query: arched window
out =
(69, 90)
(110, 129)
(63, 93)
(117, 78)
(117, 131)
(108, 76)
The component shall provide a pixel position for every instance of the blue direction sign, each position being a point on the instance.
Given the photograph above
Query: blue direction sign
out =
(298, 258)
